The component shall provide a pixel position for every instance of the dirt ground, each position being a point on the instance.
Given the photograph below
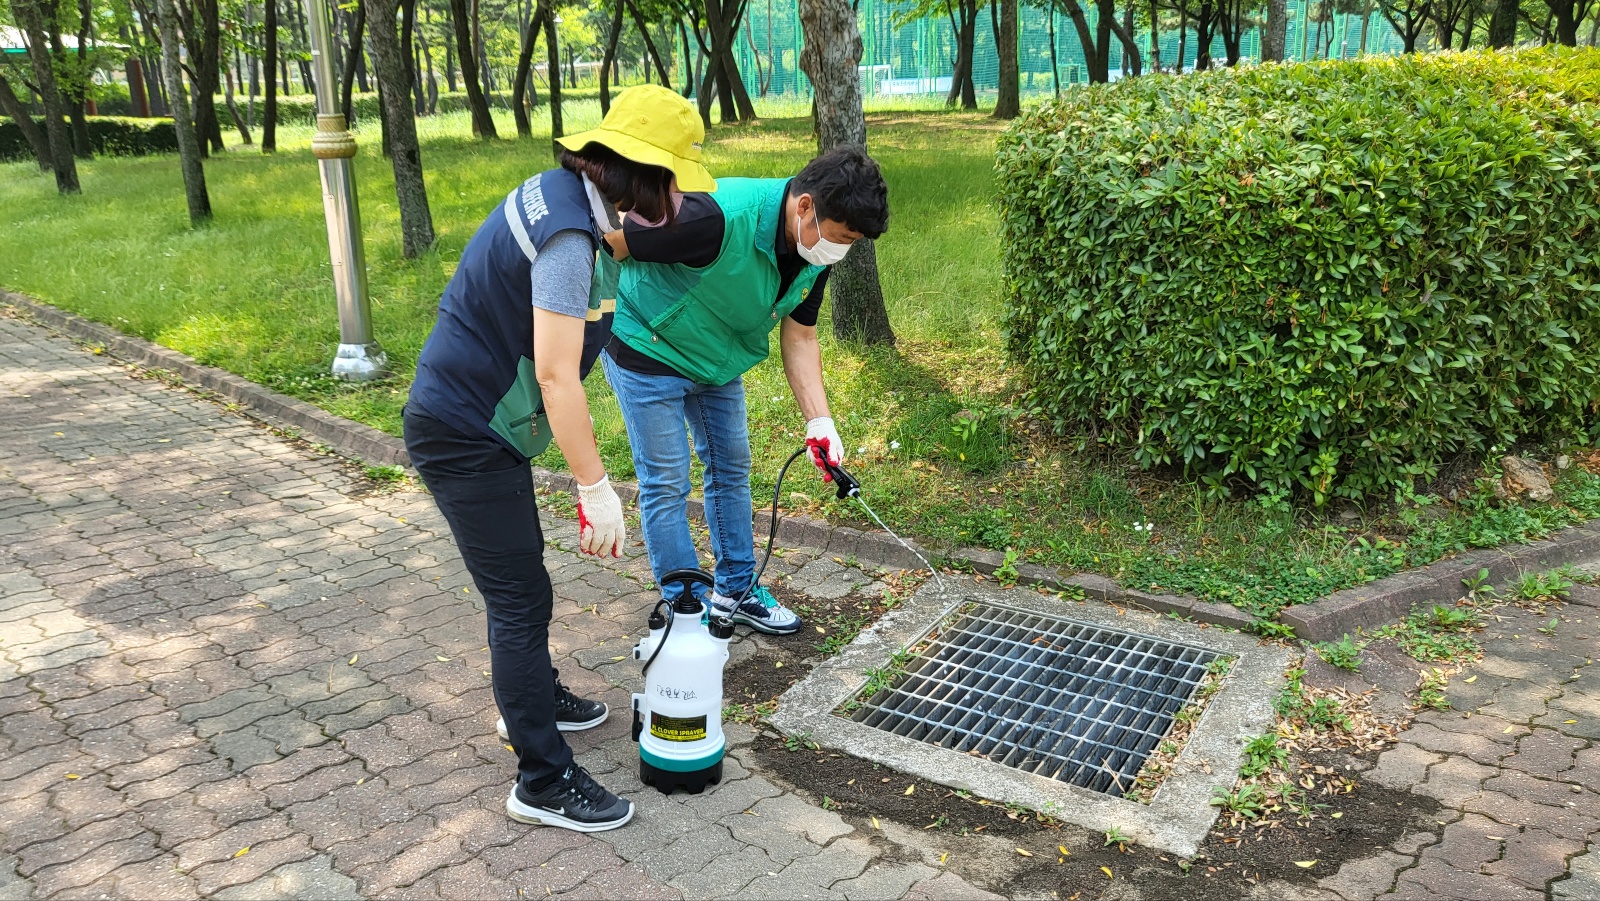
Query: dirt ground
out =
(1013, 852)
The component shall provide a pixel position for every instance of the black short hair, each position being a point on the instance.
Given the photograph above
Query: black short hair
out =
(847, 186)
(625, 184)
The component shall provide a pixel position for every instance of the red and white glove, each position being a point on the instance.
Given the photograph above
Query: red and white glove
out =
(600, 528)
(824, 446)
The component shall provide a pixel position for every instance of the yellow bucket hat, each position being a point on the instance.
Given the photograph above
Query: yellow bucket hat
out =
(652, 124)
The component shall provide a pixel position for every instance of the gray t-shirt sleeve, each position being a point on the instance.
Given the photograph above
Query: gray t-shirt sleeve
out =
(562, 272)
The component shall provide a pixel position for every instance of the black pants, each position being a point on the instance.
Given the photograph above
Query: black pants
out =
(486, 495)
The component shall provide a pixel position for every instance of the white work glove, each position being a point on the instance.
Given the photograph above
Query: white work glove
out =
(600, 528)
(824, 445)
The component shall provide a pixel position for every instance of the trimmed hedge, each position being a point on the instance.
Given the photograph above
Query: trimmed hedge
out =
(110, 136)
(1324, 278)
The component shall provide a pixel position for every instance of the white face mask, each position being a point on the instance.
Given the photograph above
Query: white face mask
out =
(822, 253)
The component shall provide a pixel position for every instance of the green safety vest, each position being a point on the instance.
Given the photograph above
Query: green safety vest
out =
(712, 324)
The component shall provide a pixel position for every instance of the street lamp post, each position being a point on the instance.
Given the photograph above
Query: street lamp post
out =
(359, 358)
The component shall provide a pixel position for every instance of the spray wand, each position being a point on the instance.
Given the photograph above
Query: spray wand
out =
(848, 486)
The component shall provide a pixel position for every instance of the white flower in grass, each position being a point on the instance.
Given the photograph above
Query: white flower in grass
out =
(894, 445)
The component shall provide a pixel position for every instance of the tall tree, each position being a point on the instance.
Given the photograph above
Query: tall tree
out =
(831, 54)
(1234, 19)
(1009, 103)
(1275, 36)
(394, 86)
(30, 16)
(1567, 14)
(482, 122)
(610, 57)
(519, 86)
(963, 16)
(1409, 18)
(202, 34)
(23, 117)
(269, 53)
(553, 55)
(1096, 44)
(650, 45)
(352, 61)
(189, 146)
(722, 24)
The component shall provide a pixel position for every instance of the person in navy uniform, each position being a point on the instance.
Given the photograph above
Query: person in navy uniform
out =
(520, 324)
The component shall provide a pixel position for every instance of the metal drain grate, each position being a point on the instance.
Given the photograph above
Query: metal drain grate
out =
(1079, 703)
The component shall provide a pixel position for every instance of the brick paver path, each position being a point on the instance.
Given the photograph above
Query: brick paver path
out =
(1515, 765)
(223, 674)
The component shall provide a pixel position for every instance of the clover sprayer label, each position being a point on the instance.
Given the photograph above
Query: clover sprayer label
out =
(677, 728)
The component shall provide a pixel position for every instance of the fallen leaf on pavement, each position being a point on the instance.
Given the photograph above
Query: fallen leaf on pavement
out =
(1305, 864)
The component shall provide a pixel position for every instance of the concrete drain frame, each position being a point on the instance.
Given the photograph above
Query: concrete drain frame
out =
(1175, 820)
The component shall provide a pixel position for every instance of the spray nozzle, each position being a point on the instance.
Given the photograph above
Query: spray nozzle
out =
(848, 485)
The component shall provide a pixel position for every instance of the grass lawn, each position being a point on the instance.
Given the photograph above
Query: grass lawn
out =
(932, 426)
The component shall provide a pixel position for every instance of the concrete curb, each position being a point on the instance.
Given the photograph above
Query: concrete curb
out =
(1443, 582)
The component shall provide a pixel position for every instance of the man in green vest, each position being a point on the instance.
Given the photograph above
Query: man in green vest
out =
(696, 304)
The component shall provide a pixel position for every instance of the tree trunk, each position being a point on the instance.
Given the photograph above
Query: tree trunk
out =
(202, 36)
(297, 24)
(519, 87)
(831, 54)
(1155, 38)
(1094, 64)
(72, 93)
(1276, 34)
(721, 22)
(388, 62)
(347, 89)
(1132, 62)
(689, 79)
(82, 104)
(1234, 19)
(30, 16)
(1055, 68)
(11, 106)
(1183, 38)
(482, 122)
(269, 55)
(1566, 21)
(1205, 24)
(138, 95)
(650, 45)
(433, 80)
(1009, 103)
(189, 146)
(408, 43)
(609, 58)
(233, 110)
(553, 53)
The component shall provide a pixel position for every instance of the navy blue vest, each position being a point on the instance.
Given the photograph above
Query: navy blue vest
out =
(476, 370)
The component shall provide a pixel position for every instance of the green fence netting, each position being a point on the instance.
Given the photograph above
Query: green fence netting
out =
(907, 60)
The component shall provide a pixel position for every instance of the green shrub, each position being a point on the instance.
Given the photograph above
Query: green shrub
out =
(1325, 278)
(108, 135)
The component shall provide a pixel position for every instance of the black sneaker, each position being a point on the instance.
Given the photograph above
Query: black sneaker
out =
(574, 801)
(573, 714)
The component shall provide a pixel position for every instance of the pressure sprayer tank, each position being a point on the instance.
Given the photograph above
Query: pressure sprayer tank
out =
(677, 719)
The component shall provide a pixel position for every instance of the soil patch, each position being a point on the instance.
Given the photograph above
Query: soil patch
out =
(963, 829)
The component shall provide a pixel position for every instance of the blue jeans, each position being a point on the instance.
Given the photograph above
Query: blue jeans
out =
(654, 410)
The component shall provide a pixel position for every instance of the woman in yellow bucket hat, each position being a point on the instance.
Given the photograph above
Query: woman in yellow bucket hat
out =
(519, 326)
